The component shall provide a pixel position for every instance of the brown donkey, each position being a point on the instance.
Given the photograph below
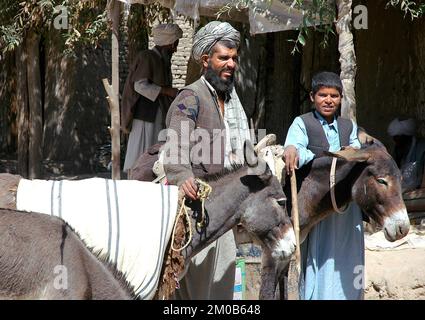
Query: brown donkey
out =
(368, 176)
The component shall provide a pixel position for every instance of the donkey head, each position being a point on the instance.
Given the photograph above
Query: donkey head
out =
(264, 213)
(378, 189)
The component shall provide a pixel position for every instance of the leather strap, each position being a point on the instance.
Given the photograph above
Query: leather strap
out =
(332, 187)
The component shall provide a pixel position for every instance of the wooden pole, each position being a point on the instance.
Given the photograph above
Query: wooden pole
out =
(23, 110)
(35, 117)
(113, 91)
(295, 263)
(347, 58)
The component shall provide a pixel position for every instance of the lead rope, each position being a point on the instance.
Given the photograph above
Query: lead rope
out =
(203, 194)
(182, 211)
(332, 187)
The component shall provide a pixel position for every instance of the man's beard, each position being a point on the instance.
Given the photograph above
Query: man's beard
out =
(223, 86)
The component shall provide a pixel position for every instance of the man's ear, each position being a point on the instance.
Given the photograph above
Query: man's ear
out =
(311, 96)
(205, 60)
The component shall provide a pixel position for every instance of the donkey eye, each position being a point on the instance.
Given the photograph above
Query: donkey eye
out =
(281, 202)
(382, 181)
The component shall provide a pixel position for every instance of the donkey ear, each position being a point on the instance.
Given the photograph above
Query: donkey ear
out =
(364, 137)
(250, 155)
(268, 140)
(350, 154)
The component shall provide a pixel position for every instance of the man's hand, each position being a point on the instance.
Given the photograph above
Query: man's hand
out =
(190, 188)
(290, 155)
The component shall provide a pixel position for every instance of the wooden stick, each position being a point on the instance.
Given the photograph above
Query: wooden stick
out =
(295, 263)
(113, 90)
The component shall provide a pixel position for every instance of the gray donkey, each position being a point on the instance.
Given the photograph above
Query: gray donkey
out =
(42, 257)
(247, 194)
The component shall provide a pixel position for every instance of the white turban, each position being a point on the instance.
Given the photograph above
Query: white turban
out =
(165, 34)
(402, 128)
(210, 34)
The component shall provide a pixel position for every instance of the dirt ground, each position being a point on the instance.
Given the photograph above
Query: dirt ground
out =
(395, 274)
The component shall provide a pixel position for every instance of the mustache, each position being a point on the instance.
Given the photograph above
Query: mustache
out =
(225, 69)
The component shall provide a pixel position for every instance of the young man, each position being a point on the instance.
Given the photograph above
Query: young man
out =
(148, 93)
(210, 106)
(333, 253)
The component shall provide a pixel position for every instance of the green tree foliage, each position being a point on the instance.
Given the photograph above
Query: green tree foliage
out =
(318, 15)
(410, 8)
(88, 22)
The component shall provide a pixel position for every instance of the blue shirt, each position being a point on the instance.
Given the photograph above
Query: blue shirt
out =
(297, 136)
(333, 252)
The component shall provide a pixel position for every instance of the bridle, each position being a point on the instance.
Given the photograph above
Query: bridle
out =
(332, 187)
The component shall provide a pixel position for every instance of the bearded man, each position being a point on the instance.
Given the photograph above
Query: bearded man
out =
(210, 108)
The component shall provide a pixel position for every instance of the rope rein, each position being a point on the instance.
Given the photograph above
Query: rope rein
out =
(182, 211)
(203, 193)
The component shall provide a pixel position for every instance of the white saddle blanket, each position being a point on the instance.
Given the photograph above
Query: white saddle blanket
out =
(129, 220)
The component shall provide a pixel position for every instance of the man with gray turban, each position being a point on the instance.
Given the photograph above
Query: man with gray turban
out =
(209, 35)
(409, 152)
(209, 107)
(148, 93)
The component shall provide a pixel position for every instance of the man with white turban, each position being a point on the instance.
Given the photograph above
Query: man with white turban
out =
(399, 127)
(209, 105)
(148, 93)
(409, 152)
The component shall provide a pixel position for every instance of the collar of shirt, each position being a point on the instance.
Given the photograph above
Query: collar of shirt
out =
(323, 122)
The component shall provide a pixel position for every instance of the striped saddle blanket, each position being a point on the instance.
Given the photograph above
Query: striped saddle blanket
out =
(129, 220)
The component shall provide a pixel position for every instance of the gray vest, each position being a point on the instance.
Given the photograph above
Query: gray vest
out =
(208, 118)
(317, 141)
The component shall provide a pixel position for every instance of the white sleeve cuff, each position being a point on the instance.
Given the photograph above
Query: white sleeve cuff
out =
(146, 89)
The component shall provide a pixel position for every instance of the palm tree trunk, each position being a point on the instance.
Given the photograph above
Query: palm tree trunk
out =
(347, 58)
